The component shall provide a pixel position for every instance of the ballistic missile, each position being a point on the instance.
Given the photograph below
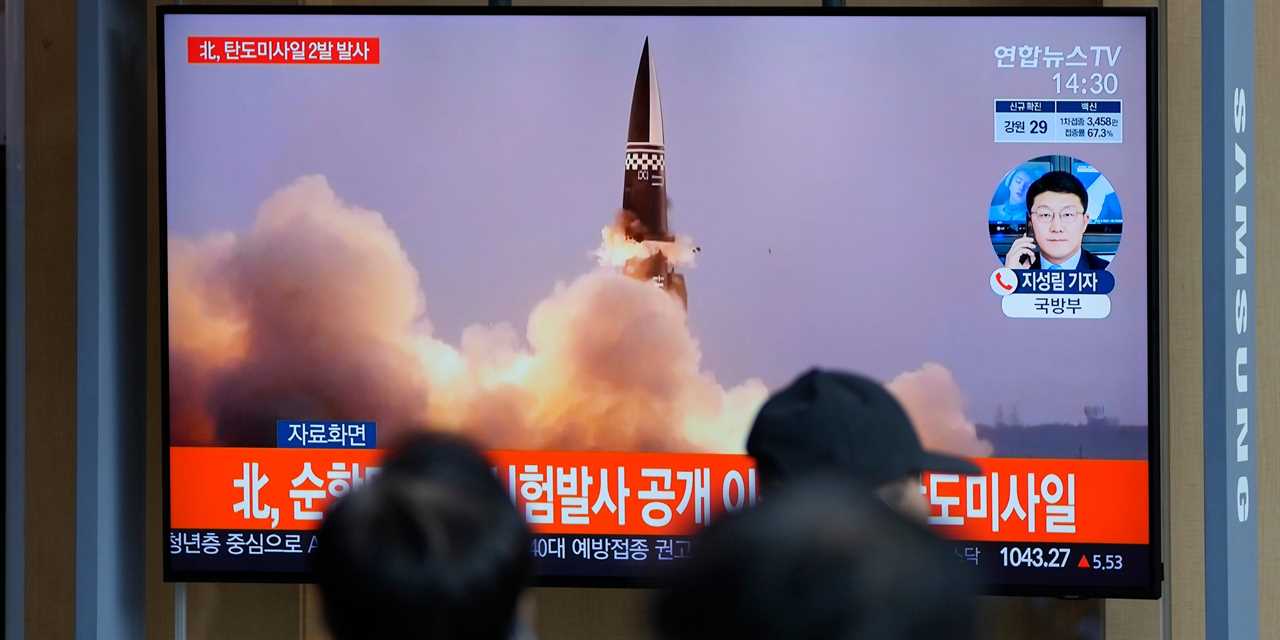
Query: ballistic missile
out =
(644, 190)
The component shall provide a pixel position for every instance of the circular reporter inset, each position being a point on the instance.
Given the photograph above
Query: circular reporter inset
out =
(1056, 213)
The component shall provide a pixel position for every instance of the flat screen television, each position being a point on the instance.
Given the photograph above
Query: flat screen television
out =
(595, 240)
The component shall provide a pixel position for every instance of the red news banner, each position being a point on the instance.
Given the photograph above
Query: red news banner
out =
(654, 494)
(286, 50)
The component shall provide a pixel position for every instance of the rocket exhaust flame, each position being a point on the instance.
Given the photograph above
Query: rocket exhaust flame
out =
(617, 247)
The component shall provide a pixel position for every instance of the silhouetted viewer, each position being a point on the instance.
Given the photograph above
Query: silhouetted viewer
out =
(820, 559)
(847, 424)
(432, 547)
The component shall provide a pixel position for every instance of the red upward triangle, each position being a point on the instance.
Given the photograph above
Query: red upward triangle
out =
(1084, 562)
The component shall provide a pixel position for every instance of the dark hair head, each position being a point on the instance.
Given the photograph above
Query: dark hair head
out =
(821, 559)
(431, 547)
(1057, 182)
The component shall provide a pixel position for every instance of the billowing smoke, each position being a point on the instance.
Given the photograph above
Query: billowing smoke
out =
(206, 332)
(322, 298)
(936, 406)
(609, 365)
(317, 313)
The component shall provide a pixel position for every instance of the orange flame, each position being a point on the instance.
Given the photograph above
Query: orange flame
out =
(616, 249)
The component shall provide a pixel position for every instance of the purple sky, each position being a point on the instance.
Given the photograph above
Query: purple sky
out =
(858, 150)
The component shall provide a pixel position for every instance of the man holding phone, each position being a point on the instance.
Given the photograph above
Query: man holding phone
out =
(1057, 206)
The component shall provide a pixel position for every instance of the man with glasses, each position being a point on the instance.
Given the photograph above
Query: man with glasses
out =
(1057, 203)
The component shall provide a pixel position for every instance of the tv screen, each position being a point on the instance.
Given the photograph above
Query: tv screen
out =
(594, 242)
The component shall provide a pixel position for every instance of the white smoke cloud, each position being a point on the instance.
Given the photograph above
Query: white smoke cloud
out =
(317, 313)
(936, 406)
(609, 365)
(323, 299)
(206, 331)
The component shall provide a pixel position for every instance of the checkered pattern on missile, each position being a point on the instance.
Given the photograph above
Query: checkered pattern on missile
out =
(644, 160)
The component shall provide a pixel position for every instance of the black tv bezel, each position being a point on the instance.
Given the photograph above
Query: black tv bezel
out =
(1152, 590)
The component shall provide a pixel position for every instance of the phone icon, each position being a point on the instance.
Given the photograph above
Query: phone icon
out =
(1004, 281)
(1000, 281)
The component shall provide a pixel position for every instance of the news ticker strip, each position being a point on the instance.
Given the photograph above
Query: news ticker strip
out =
(254, 551)
(249, 552)
(655, 494)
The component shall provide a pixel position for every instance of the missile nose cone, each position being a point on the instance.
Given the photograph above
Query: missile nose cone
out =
(646, 103)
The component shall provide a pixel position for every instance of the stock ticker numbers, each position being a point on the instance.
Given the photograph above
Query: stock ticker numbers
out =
(1108, 562)
(1059, 558)
(1035, 557)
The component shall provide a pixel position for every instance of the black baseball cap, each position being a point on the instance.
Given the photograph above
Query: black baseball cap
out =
(833, 421)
